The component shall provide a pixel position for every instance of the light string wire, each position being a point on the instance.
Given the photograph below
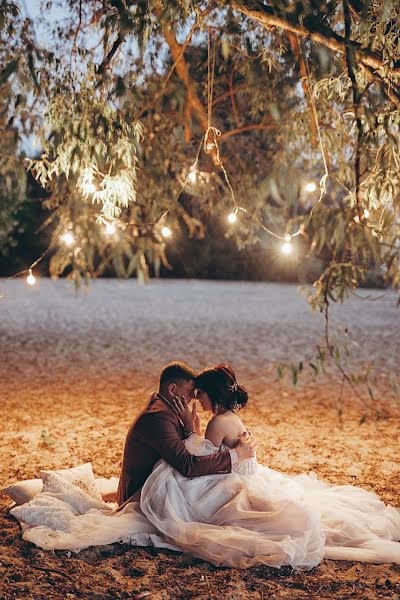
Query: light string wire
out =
(214, 133)
(323, 181)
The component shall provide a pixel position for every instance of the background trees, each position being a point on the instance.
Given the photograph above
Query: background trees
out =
(172, 115)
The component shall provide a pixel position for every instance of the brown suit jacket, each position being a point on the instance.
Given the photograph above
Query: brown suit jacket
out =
(157, 433)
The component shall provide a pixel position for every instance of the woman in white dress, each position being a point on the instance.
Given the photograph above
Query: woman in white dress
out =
(254, 515)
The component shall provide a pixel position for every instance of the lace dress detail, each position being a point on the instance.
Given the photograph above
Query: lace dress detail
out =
(247, 466)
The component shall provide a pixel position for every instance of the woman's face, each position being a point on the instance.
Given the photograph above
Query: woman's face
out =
(204, 400)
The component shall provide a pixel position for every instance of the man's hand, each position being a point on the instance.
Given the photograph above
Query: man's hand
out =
(183, 411)
(245, 448)
(196, 420)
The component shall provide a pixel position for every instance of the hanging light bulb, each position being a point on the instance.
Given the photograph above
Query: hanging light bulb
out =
(110, 228)
(166, 232)
(68, 238)
(310, 186)
(287, 248)
(232, 217)
(287, 237)
(192, 177)
(366, 213)
(31, 279)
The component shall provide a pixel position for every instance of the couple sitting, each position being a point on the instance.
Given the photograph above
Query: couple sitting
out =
(160, 430)
(208, 496)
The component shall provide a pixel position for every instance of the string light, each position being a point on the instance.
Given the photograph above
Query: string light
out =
(31, 279)
(366, 213)
(311, 186)
(192, 177)
(287, 248)
(166, 232)
(86, 182)
(68, 238)
(232, 217)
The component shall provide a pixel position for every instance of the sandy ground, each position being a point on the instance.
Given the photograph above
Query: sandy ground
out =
(75, 370)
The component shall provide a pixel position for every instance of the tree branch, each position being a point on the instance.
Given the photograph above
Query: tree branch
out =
(108, 58)
(233, 103)
(269, 17)
(294, 44)
(235, 90)
(246, 128)
(182, 70)
(356, 102)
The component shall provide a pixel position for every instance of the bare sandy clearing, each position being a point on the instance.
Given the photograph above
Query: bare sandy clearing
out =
(76, 370)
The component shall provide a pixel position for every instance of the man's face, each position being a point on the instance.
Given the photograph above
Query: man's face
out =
(185, 389)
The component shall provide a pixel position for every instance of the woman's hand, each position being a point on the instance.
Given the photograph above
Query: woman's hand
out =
(245, 447)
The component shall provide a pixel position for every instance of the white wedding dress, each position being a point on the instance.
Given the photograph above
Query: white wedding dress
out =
(252, 516)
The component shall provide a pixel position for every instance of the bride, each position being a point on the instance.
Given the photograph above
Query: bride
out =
(254, 515)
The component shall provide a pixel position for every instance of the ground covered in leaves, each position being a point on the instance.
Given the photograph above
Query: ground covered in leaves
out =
(76, 371)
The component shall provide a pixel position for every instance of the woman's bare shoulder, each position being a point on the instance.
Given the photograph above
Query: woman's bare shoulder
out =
(225, 420)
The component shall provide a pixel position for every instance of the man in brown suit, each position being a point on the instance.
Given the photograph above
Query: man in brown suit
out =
(159, 431)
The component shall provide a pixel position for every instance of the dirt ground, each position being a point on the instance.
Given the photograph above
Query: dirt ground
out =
(63, 413)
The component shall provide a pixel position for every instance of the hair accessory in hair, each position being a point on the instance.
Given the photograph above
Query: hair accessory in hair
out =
(234, 387)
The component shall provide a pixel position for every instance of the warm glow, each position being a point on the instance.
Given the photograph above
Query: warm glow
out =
(31, 279)
(311, 186)
(366, 213)
(166, 232)
(110, 228)
(232, 217)
(192, 176)
(286, 248)
(68, 238)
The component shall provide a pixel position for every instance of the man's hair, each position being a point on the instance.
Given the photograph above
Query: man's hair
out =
(175, 371)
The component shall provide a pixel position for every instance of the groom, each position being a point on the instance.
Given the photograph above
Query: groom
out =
(159, 431)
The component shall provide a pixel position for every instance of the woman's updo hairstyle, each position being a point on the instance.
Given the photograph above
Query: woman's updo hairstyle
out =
(222, 388)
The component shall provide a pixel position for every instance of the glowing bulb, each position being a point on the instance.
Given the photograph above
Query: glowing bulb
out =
(356, 219)
(232, 217)
(31, 279)
(209, 146)
(68, 238)
(192, 176)
(166, 232)
(287, 237)
(110, 228)
(311, 186)
(286, 248)
(366, 213)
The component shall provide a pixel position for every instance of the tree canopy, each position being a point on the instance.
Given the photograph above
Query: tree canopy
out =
(159, 116)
